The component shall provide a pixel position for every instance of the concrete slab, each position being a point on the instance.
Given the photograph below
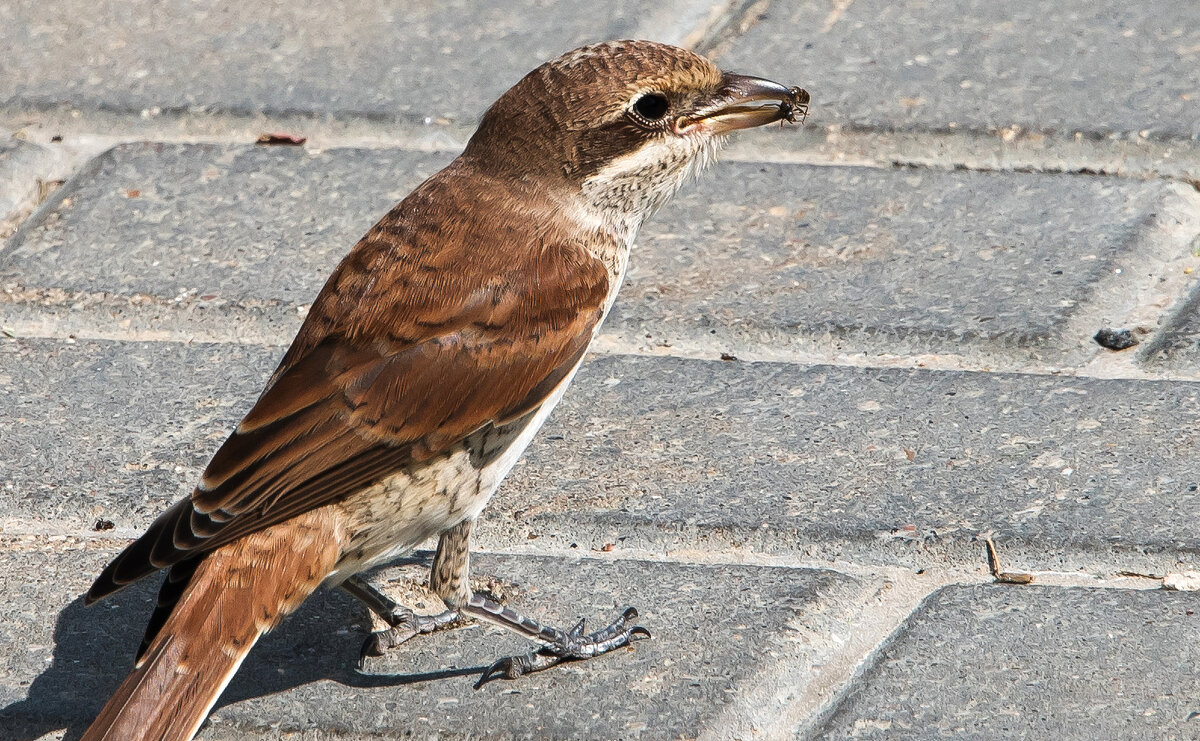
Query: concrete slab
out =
(1096, 69)
(95, 431)
(1004, 662)
(406, 60)
(217, 242)
(725, 649)
(831, 462)
(664, 454)
(24, 168)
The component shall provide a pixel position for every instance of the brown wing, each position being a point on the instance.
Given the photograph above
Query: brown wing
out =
(411, 346)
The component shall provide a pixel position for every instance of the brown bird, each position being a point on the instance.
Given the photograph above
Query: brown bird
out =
(428, 361)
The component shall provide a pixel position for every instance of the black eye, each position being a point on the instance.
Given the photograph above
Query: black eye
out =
(651, 106)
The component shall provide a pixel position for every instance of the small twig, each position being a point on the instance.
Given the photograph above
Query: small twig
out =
(1140, 575)
(1003, 577)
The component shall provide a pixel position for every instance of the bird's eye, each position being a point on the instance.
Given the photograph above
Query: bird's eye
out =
(651, 106)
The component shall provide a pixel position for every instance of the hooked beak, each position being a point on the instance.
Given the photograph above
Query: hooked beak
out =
(745, 102)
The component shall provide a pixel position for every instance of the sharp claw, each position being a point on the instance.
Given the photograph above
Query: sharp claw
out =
(630, 613)
(578, 629)
(639, 633)
(503, 667)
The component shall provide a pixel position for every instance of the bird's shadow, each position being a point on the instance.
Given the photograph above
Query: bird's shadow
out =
(94, 646)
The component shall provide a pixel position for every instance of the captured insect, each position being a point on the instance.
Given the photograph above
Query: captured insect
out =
(797, 107)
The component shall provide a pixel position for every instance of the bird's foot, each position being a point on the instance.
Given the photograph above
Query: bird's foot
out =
(404, 625)
(558, 645)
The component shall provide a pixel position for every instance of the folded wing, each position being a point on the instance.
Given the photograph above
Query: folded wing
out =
(410, 347)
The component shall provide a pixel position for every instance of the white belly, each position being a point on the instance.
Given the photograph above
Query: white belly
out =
(400, 512)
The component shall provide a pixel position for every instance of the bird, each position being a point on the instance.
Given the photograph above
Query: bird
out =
(424, 367)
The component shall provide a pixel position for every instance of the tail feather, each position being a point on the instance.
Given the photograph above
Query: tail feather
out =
(173, 587)
(236, 594)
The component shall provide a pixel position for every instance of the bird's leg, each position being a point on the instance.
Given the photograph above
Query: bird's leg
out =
(449, 575)
(447, 578)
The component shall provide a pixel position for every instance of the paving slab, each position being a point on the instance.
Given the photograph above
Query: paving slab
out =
(902, 261)
(401, 59)
(835, 462)
(1004, 662)
(211, 223)
(669, 454)
(215, 242)
(1098, 69)
(115, 430)
(724, 637)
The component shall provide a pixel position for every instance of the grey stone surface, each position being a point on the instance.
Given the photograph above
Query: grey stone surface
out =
(667, 453)
(1003, 662)
(1177, 346)
(833, 461)
(908, 259)
(914, 259)
(115, 430)
(399, 59)
(1097, 68)
(719, 631)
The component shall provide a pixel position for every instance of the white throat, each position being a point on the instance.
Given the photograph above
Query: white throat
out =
(619, 198)
(628, 190)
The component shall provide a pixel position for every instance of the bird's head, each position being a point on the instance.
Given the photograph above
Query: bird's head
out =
(622, 123)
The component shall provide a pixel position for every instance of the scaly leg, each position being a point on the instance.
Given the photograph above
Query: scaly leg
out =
(449, 579)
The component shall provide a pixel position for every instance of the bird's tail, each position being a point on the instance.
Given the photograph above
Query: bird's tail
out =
(238, 592)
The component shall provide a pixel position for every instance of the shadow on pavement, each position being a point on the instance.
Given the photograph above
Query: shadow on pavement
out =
(94, 648)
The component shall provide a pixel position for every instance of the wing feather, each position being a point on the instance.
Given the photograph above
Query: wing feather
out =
(413, 344)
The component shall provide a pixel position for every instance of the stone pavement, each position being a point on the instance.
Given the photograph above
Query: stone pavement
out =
(843, 363)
